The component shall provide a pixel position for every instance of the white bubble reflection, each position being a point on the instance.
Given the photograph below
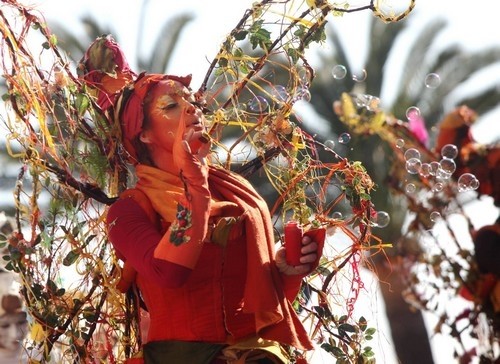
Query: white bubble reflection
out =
(413, 165)
(448, 165)
(337, 215)
(360, 76)
(435, 216)
(432, 80)
(339, 71)
(435, 166)
(425, 170)
(412, 153)
(330, 144)
(449, 151)
(410, 188)
(381, 219)
(438, 187)
(280, 93)
(258, 104)
(344, 138)
(467, 182)
(412, 112)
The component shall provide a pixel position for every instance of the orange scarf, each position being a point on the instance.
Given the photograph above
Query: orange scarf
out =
(264, 296)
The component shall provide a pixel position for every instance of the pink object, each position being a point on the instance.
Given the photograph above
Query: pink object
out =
(416, 124)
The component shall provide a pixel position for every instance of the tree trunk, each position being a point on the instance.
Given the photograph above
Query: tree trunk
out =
(408, 331)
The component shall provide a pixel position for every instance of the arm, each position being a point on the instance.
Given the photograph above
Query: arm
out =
(135, 238)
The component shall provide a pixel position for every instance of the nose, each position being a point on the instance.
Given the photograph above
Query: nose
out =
(190, 109)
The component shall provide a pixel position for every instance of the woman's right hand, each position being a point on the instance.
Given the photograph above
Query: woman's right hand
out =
(191, 145)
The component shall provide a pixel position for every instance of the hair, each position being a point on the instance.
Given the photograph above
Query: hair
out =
(141, 148)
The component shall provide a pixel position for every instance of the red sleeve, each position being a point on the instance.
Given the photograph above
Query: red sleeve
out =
(135, 238)
(291, 285)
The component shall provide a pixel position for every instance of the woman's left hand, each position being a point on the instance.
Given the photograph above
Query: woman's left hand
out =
(309, 256)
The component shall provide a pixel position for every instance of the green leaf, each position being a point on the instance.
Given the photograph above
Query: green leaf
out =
(82, 104)
(71, 257)
(370, 331)
(320, 310)
(362, 323)
(52, 286)
(337, 352)
(347, 328)
(240, 34)
(223, 62)
(53, 40)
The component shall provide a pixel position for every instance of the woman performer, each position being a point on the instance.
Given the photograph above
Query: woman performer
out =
(197, 240)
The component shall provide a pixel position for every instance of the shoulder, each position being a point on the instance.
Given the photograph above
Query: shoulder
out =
(139, 198)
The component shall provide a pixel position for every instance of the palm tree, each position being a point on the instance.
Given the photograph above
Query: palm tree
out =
(156, 62)
(454, 66)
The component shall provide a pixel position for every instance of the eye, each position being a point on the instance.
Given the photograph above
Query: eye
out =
(170, 106)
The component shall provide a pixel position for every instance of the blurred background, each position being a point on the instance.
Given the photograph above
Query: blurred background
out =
(457, 41)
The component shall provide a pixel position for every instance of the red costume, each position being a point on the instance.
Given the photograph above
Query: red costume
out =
(234, 290)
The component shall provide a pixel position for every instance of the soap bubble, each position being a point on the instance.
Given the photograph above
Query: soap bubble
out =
(438, 187)
(258, 104)
(360, 76)
(448, 165)
(412, 112)
(435, 167)
(339, 71)
(330, 144)
(435, 216)
(400, 143)
(344, 138)
(449, 151)
(412, 153)
(337, 215)
(467, 182)
(280, 93)
(413, 165)
(303, 93)
(432, 80)
(381, 219)
(410, 188)
(443, 174)
(425, 170)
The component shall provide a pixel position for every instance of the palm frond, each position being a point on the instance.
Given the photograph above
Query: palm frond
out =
(382, 39)
(165, 44)
(414, 69)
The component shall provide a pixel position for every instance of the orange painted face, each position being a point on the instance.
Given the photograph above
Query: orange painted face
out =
(170, 105)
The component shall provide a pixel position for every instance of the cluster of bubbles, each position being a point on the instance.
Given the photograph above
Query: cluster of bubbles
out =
(441, 171)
